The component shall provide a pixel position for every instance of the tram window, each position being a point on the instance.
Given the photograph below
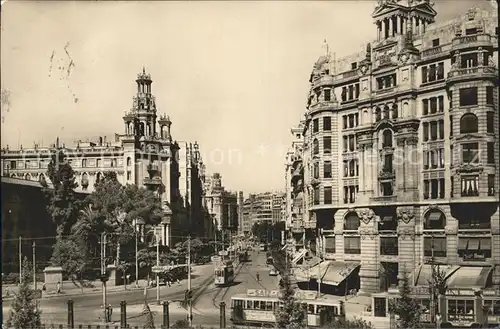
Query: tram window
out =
(493, 307)
(269, 306)
(217, 273)
(331, 310)
(310, 309)
(276, 305)
(460, 307)
(249, 305)
(496, 308)
(262, 305)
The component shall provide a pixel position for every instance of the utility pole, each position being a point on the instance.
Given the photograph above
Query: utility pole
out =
(136, 261)
(34, 265)
(190, 315)
(103, 274)
(20, 260)
(157, 273)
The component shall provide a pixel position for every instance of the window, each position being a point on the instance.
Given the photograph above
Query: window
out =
(84, 162)
(344, 118)
(387, 189)
(489, 95)
(471, 31)
(346, 168)
(441, 129)
(440, 103)
(351, 222)
(387, 138)
(490, 128)
(316, 170)
(451, 125)
(435, 246)
(327, 123)
(351, 143)
(468, 96)
(354, 66)
(389, 246)
(315, 147)
(461, 310)
(388, 223)
(327, 169)
(315, 125)
(327, 144)
(129, 162)
(316, 196)
(434, 220)
(388, 160)
(491, 185)
(441, 188)
(474, 248)
(424, 74)
(98, 163)
(468, 124)
(435, 42)
(352, 245)
(470, 153)
(434, 130)
(13, 165)
(470, 186)
(330, 244)
(450, 99)
(327, 195)
(327, 95)
(440, 71)
(490, 152)
(129, 175)
(426, 131)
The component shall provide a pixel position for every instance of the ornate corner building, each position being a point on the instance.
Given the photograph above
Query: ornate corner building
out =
(144, 155)
(397, 159)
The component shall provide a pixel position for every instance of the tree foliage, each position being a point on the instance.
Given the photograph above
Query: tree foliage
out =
(343, 323)
(63, 205)
(267, 232)
(405, 307)
(71, 255)
(180, 324)
(292, 314)
(24, 313)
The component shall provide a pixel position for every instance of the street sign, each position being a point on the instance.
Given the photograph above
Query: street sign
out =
(158, 269)
(223, 253)
(216, 259)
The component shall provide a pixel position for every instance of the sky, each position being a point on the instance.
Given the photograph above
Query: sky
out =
(232, 75)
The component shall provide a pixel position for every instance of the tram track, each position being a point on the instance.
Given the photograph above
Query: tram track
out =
(226, 289)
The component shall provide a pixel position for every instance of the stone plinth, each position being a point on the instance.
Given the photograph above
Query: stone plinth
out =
(112, 273)
(53, 275)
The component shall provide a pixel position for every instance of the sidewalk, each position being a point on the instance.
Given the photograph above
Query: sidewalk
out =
(69, 288)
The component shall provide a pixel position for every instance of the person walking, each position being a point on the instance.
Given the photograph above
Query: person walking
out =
(258, 277)
(58, 287)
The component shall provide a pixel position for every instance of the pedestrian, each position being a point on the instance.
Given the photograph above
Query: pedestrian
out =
(110, 312)
(44, 287)
(58, 287)
(258, 276)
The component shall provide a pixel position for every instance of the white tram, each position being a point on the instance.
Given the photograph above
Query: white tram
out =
(224, 273)
(257, 308)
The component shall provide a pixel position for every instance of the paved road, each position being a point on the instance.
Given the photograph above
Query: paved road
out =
(88, 307)
(245, 278)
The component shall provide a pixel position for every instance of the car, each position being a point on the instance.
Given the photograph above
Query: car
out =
(273, 272)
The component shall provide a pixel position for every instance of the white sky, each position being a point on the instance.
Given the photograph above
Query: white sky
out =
(232, 75)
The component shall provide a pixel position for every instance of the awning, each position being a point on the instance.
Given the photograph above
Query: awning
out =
(486, 244)
(298, 256)
(423, 273)
(462, 243)
(473, 244)
(467, 277)
(337, 272)
(435, 215)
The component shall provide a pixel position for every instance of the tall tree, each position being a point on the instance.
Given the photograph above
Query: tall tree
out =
(406, 308)
(24, 313)
(71, 254)
(63, 205)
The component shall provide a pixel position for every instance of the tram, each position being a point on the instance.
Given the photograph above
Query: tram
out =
(224, 274)
(257, 308)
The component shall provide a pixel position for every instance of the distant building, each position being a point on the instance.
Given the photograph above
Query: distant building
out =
(264, 207)
(144, 155)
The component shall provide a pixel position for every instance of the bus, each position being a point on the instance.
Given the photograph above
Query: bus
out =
(257, 308)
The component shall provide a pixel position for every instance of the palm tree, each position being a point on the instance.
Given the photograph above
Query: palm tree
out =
(88, 227)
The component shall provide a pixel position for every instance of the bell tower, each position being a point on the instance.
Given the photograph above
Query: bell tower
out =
(144, 108)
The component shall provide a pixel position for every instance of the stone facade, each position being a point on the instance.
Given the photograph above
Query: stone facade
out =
(400, 146)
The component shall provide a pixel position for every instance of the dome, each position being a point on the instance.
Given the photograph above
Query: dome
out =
(320, 62)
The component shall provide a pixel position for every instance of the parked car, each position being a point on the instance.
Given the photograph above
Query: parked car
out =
(273, 272)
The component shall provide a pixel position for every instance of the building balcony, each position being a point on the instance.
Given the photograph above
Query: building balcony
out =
(155, 181)
(324, 80)
(384, 198)
(387, 174)
(471, 41)
(432, 51)
(153, 169)
(471, 73)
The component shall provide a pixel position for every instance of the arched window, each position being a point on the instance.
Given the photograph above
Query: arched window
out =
(351, 221)
(141, 129)
(315, 146)
(395, 111)
(387, 138)
(98, 178)
(129, 162)
(386, 112)
(468, 124)
(378, 114)
(434, 220)
(85, 181)
(27, 177)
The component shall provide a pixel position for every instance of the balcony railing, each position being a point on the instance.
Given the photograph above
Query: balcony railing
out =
(432, 51)
(479, 40)
(479, 70)
(474, 226)
(386, 174)
(385, 198)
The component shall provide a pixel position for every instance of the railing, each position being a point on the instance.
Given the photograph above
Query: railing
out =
(385, 90)
(474, 226)
(432, 51)
(385, 198)
(479, 38)
(472, 70)
(324, 80)
(350, 74)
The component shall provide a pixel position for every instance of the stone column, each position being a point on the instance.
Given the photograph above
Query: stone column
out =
(374, 165)
(369, 272)
(379, 30)
(407, 242)
(451, 231)
(391, 26)
(412, 164)
(384, 28)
